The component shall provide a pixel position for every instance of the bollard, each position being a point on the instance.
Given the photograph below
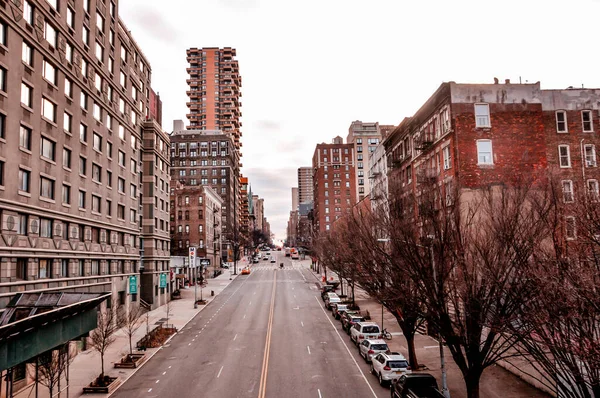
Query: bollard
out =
(212, 292)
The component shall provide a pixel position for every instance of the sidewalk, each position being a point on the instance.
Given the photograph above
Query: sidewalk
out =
(86, 365)
(495, 381)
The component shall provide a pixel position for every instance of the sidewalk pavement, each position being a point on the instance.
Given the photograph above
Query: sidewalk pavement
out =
(86, 365)
(495, 381)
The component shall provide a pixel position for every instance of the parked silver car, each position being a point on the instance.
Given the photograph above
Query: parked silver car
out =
(371, 347)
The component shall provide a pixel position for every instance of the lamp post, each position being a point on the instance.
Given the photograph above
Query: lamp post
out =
(445, 390)
(195, 284)
(384, 240)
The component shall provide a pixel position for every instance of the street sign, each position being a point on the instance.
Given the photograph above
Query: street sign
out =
(163, 280)
(192, 257)
(133, 284)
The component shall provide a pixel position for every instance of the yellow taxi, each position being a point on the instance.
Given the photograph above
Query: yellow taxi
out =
(246, 271)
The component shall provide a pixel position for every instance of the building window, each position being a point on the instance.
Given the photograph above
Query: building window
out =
(96, 172)
(49, 72)
(593, 190)
(81, 268)
(24, 180)
(48, 149)
(82, 166)
(26, 95)
(82, 132)
(95, 267)
(83, 100)
(70, 18)
(121, 212)
(28, 12)
(85, 36)
(132, 216)
(570, 228)
(97, 142)
(67, 158)
(586, 121)
(26, 53)
(49, 110)
(97, 110)
(81, 200)
(564, 156)
(590, 155)
(484, 152)
(561, 122)
(67, 123)
(132, 190)
(25, 138)
(50, 34)
(45, 228)
(121, 185)
(46, 188)
(3, 73)
(66, 194)
(482, 115)
(121, 158)
(109, 208)
(44, 268)
(567, 188)
(64, 268)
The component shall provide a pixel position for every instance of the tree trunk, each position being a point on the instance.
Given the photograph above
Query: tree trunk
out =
(472, 381)
(412, 353)
(352, 284)
(130, 346)
(102, 361)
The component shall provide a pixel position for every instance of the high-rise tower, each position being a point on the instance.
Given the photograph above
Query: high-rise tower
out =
(214, 91)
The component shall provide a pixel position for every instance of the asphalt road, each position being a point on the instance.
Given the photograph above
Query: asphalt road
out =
(266, 335)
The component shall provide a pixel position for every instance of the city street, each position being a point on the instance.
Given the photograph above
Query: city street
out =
(267, 335)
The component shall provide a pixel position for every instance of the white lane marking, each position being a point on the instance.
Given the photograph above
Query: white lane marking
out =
(347, 349)
(250, 303)
(149, 390)
(157, 381)
(193, 339)
(308, 348)
(302, 323)
(189, 343)
(431, 346)
(235, 337)
(220, 370)
(294, 296)
(319, 391)
(244, 316)
(164, 373)
(169, 367)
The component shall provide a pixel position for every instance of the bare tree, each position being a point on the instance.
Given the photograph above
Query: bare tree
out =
(132, 320)
(109, 322)
(559, 329)
(51, 366)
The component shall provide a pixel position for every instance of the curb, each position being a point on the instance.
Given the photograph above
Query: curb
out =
(166, 342)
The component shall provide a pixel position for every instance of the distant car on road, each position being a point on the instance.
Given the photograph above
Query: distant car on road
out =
(265, 258)
(415, 385)
(370, 347)
(246, 271)
(255, 260)
(272, 259)
(388, 367)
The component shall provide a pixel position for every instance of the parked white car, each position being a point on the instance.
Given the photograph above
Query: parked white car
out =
(364, 330)
(332, 298)
(369, 348)
(388, 367)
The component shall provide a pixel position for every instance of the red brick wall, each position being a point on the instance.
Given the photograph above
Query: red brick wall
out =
(518, 143)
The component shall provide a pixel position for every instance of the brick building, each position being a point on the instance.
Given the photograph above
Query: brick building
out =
(365, 137)
(334, 182)
(305, 185)
(473, 135)
(208, 158)
(196, 222)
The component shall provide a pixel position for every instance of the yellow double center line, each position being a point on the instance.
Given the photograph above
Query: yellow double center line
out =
(265, 368)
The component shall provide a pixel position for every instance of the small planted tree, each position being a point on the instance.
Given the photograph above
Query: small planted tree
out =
(109, 322)
(51, 366)
(132, 321)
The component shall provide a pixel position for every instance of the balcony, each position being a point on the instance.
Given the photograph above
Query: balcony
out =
(424, 141)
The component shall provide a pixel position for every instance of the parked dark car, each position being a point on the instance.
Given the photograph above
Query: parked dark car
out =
(415, 385)
(326, 289)
(349, 318)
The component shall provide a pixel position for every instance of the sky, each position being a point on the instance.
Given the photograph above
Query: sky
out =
(309, 68)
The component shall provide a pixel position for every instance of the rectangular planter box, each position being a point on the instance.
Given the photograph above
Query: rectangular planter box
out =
(102, 390)
(138, 359)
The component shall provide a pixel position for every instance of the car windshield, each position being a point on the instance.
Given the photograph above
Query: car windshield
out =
(357, 319)
(397, 364)
(379, 347)
(370, 329)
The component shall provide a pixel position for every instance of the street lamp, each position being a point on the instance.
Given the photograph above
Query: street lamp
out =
(384, 240)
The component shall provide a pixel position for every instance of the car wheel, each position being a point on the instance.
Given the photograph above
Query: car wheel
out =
(372, 369)
(381, 383)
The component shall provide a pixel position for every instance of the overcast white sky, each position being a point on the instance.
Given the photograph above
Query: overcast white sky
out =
(309, 68)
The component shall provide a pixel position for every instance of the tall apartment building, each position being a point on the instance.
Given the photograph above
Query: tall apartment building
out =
(214, 91)
(295, 198)
(258, 206)
(244, 228)
(334, 182)
(208, 158)
(154, 217)
(74, 96)
(473, 135)
(365, 137)
(196, 221)
(305, 184)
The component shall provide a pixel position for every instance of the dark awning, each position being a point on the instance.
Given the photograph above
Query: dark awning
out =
(33, 323)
